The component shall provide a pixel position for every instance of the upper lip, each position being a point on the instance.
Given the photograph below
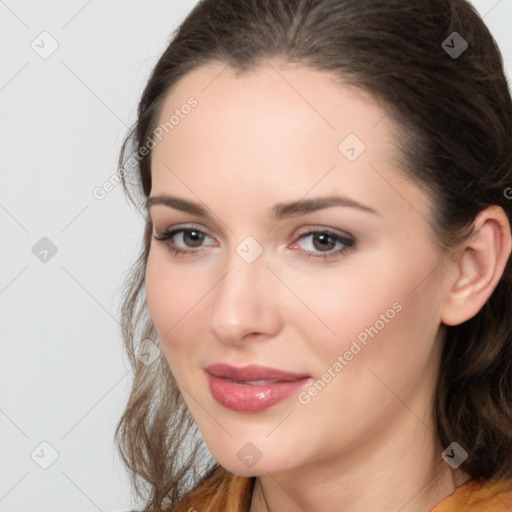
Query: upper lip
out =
(252, 372)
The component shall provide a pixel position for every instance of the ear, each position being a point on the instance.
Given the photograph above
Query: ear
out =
(479, 266)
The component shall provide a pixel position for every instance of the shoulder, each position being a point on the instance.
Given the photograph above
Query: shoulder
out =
(494, 495)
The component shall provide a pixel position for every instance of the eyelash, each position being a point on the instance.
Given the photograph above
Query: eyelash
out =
(165, 239)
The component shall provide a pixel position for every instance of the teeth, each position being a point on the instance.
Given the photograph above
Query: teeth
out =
(252, 382)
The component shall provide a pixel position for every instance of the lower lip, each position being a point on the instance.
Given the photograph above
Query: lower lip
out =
(252, 398)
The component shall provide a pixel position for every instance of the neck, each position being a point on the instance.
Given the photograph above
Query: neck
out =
(401, 469)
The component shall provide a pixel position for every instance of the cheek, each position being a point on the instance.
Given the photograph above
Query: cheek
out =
(373, 317)
(177, 302)
(171, 294)
(160, 293)
(338, 305)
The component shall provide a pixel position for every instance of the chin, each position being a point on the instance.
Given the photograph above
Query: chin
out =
(241, 471)
(260, 468)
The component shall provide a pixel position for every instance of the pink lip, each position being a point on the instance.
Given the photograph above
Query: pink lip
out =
(242, 397)
(251, 372)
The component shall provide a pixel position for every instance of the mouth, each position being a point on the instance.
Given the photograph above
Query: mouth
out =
(251, 382)
(252, 373)
(252, 388)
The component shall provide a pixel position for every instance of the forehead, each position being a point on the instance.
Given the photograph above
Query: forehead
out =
(274, 100)
(276, 133)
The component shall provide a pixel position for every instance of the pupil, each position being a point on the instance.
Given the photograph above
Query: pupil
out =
(195, 237)
(326, 242)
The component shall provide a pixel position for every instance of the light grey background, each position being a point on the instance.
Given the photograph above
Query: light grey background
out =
(64, 376)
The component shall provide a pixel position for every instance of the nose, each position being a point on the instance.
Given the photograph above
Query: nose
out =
(244, 303)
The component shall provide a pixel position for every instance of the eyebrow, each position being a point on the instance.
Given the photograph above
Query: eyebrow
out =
(279, 210)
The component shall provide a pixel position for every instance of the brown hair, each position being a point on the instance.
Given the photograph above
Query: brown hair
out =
(454, 116)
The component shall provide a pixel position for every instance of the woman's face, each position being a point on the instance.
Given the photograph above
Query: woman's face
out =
(347, 299)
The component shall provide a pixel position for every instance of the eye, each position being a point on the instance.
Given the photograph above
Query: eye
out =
(321, 243)
(324, 243)
(183, 240)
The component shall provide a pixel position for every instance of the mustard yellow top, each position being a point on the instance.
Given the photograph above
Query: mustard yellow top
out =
(226, 492)
(478, 496)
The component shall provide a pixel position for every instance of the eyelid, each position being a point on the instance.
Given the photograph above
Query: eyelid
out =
(185, 227)
(315, 228)
(167, 235)
(346, 240)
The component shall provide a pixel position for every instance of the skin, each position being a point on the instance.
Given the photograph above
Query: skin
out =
(366, 440)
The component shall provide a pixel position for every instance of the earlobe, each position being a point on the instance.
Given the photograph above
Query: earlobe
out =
(480, 266)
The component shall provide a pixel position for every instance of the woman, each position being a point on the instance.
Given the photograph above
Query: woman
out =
(323, 295)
